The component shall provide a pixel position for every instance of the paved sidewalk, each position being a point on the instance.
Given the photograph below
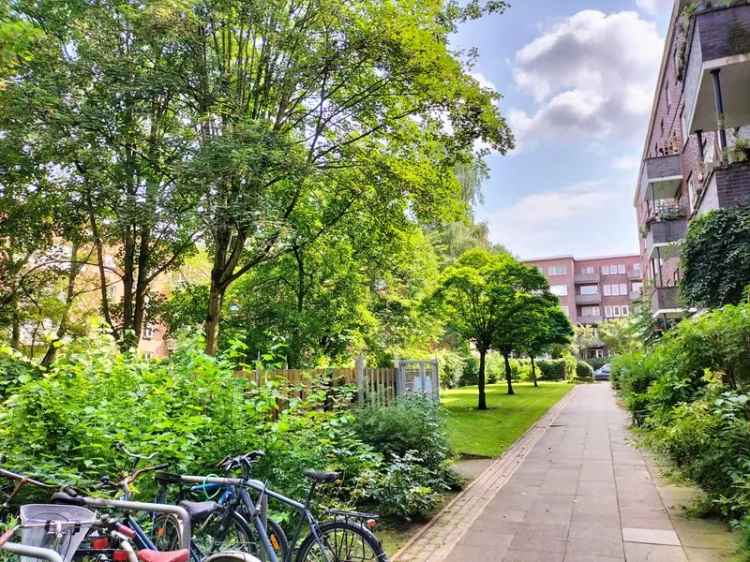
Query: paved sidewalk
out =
(573, 490)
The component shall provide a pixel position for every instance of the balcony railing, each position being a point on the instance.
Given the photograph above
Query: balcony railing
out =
(590, 319)
(588, 299)
(583, 278)
(666, 232)
(635, 295)
(635, 274)
(665, 298)
(665, 210)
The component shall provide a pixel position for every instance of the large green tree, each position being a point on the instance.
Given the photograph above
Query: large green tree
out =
(478, 297)
(315, 108)
(545, 325)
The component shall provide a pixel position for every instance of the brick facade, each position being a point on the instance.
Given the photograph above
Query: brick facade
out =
(684, 171)
(596, 289)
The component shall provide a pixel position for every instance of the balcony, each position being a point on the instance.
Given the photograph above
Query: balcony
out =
(588, 299)
(635, 275)
(666, 232)
(726, 186)
(635, 295)
(665, 300)
(586, 278)
(717, 43)
(663, 176)
(589, 319)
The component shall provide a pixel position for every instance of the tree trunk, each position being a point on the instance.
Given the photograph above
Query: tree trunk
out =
(15, 323)
(215, 300)
(508, 374)
(533, 371)
(482, 405)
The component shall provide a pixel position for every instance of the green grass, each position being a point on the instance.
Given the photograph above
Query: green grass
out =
(490, 432)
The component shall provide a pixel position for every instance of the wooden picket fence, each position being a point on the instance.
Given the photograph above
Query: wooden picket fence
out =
(376, 387)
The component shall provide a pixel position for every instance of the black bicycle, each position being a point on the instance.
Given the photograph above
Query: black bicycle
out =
(346, 537)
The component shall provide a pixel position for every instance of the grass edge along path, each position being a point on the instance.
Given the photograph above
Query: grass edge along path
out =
(491, 432)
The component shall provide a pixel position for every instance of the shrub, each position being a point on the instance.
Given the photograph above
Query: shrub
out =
(584, 372)
(689, 393)
(598, 362)
(191, 410)
(413, 423)
(15, 370)
(551, 369)
(451, 369)
(470, 374)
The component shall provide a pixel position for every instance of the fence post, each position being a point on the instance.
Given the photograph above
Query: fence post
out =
(398, 384)
(436, 379)
(359, 365)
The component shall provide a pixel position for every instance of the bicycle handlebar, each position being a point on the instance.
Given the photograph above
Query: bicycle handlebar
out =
(23, 478)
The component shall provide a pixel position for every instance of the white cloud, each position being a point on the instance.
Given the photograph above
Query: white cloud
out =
(655, 7)
(590, 218)
(628, 163)
(590, 75)
(484, 82)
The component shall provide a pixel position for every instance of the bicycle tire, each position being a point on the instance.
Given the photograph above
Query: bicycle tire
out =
(353, 538)
(172, 535)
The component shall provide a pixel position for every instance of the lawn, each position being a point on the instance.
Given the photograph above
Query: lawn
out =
(490, 432)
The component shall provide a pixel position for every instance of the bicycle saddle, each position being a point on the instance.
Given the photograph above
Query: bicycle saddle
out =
(68, 498)
(321, 476)
(158, 556)
(199, 510)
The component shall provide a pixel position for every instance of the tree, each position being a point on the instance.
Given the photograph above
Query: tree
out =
(716, 258)
(478, 297)
(546, 326)
(312, 109)
(522, 300)
(620, 335)
(103, 105)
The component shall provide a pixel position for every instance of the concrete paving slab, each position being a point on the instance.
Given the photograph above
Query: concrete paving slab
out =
(651, 536)
(574, 489)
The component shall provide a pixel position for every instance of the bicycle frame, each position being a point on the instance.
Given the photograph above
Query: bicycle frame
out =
(257, 514)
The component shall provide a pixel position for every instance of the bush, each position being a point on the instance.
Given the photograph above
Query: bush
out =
(551, 369)
(15, 370)
(598, 362)
(191, 410)
(470, 374)
(451, 369)
(689, 393)
(584, 372)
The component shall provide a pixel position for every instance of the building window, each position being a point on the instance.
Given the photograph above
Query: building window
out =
(637, 268)
(637, 287)
(557, 270)
(589, 269)
(559, 290)
(625, 309)
(613, 269)
(590, 290)
(616, 289)
(148, 331)
(588, 311)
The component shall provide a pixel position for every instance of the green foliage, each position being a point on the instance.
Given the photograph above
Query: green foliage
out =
(551, 369)
(15, 370)
(584, 372)
(620, 335)
(413, 424)
(716, 258)
(689, 394)
(193, 409)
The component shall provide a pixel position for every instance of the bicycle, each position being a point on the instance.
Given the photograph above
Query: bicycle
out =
(343, 538)
(11, 490)
(218, 520)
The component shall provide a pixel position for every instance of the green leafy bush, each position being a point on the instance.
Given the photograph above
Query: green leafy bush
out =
(584, 372)
(192, 409)
(470, 374)
(551, 369)
(15, 370)
(689, 394)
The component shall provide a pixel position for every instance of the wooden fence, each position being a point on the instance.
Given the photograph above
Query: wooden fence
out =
(374, 386)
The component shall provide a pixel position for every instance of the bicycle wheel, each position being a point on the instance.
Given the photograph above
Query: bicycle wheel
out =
(343, 541)
(210, 536)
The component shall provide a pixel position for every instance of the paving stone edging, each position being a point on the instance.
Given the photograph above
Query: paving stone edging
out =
(435, 540)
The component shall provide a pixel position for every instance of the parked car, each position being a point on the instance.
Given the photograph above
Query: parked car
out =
(602, 373)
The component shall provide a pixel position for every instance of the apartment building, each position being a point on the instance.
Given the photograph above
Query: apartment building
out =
(592, 290)
(696, 155)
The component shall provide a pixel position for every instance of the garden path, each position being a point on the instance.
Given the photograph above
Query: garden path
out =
(573, 489)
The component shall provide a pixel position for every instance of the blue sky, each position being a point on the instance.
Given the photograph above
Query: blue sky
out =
(577, 79)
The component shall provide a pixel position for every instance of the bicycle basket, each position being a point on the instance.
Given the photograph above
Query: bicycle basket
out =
(38, 528)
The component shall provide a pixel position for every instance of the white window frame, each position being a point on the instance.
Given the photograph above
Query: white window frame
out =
(563, 290)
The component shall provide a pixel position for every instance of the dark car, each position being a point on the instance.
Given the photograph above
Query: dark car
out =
(602, 373)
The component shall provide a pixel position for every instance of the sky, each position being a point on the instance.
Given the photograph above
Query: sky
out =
(577, 79)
